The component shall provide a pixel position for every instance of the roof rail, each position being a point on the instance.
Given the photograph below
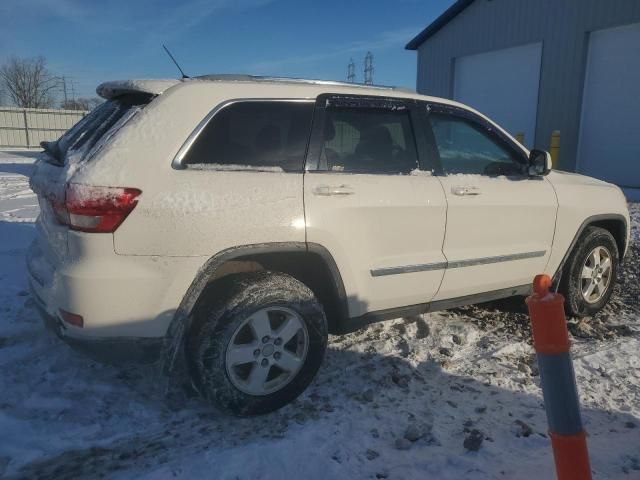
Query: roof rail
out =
(232, 77)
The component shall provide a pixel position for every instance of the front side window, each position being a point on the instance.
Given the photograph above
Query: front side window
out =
(255, 134)
(467, 148)
(368, 140)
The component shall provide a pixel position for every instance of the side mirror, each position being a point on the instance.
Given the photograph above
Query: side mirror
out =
(539, 163)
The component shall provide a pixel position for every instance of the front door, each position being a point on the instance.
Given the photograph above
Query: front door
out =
(367, 202)
(500, 220)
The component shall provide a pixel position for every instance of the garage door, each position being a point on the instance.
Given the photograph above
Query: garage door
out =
(609, 145)
(503, 85)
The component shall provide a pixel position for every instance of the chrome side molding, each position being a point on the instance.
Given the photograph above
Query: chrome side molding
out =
(497, 259)
(380, 272)
(472, 262)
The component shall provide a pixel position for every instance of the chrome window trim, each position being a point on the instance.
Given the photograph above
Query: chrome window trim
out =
(177, 164)
(472, 262)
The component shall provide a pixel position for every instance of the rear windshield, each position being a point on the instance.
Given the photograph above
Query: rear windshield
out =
(94, 130)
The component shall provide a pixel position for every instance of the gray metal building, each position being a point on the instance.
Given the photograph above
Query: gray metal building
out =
(536, 66)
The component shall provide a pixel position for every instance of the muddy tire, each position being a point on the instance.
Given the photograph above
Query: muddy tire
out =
(257, 342)
(590, 273)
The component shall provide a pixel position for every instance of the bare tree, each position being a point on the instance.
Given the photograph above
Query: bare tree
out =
(81, 103)
(28, 82)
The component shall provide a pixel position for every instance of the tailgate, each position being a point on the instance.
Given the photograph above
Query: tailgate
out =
(55, 167)
(48, 182)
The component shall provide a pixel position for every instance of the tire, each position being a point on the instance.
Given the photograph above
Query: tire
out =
(227, 327)
(572, 282)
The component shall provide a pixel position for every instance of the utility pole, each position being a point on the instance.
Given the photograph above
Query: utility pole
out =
(73, 92)
(368, 69)
(64, 89)
(351, 72)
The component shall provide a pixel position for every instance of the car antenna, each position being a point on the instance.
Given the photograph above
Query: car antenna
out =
(174, 60)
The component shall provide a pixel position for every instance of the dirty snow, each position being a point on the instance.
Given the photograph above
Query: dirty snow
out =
(447, 395)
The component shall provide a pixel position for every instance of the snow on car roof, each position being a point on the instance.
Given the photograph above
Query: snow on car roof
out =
(113, 89)
(116, 88)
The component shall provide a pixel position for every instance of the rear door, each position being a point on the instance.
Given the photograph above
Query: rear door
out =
(366, 201)
(500, 220)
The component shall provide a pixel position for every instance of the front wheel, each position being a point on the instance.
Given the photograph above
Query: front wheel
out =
(258, 343)
(589, 276)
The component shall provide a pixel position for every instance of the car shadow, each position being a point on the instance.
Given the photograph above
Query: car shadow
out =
(24, 153)
(348, 424)
(15, 238)
(25, 169)
(77, 418)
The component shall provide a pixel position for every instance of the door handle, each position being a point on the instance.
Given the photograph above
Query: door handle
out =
(337, 190)
(466, 190)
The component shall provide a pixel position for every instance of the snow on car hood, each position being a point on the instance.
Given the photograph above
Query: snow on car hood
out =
(116, 88)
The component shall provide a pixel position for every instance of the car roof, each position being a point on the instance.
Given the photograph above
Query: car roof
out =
(226, 77)
(116, 88)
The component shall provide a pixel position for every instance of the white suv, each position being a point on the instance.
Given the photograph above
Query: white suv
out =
(236, 220)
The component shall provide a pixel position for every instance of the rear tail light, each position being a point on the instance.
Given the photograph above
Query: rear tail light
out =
(95, 209)
(72, 318)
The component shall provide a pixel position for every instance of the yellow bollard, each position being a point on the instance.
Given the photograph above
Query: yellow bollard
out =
(554, 148)
(520, 137)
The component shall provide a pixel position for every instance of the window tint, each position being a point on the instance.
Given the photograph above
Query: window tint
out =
(467, 148)
(255, 134)
(368, 140)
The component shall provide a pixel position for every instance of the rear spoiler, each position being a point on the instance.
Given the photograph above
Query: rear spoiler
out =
(114, 89)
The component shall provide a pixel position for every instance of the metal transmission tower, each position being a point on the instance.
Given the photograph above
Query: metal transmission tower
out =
(351, 72)
(368, 69)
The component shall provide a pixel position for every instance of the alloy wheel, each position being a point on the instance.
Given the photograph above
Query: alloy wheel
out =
(267, 350)
(596, 274)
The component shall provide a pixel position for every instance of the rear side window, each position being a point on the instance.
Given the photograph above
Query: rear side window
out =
(368, 140)
(255, 134)
(90, 133)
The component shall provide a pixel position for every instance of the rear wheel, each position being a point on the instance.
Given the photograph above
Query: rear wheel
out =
(258, 343)
(590, 273)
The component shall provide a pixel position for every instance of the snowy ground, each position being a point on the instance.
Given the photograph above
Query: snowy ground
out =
(437, 380)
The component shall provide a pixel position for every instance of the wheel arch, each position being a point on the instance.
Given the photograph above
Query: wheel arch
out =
(310, 263)
(615, 224)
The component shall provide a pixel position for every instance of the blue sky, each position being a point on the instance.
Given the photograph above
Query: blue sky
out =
(92, 41)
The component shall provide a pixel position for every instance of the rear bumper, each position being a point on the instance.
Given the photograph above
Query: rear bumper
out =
(122, 322)
(106, 349)
(118, 296)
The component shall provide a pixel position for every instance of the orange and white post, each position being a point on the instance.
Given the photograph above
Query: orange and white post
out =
(551, 342)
